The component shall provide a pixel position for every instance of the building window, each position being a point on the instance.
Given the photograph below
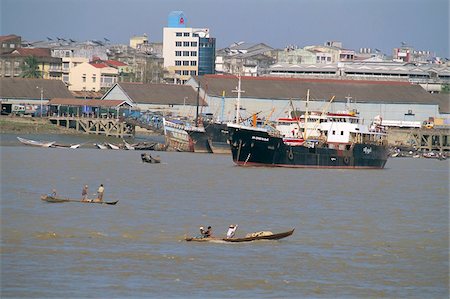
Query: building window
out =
(185, 44)
(186, 63)
(177, 62)
(194, 63)
(178, 72)
(177, 53)
(186, 34)
(193, 53)
(193, 44)
(193, 73)
(65, 65)
(94, 78)
(177, 44)
(185, 73)
(185, 53)
(179, 34)
(84, 77)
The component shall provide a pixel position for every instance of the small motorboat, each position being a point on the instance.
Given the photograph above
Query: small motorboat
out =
(149, 159)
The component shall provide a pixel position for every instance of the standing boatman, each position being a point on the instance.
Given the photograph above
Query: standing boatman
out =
(100, 192)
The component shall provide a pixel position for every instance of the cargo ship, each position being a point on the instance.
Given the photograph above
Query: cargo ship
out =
(343, 141)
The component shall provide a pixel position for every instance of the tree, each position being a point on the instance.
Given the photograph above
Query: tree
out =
(30, 68)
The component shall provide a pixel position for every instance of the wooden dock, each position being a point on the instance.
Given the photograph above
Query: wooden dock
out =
(92, 125)
(437, 139)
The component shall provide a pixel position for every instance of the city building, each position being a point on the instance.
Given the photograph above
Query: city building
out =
(408, 54)
(9, 43)
(186, 51)
(92, 77)
(13, 63)
(245, 59)
(137, 41)
(146, 66)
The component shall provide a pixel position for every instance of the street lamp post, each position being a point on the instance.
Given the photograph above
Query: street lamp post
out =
(42, 97)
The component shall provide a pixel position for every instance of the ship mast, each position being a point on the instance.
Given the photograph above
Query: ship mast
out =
(238, 102)
(198, 103)
(306, 117)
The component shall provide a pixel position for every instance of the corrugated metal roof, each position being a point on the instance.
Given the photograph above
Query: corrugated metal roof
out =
(90, 103)
(167, 94)
(320, 89)
(21, 88)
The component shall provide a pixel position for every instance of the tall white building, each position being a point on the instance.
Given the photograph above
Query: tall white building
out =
(187, 51)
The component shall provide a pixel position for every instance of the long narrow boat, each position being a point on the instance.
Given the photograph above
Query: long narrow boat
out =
(53, 199)
(254, 237)
(36, 143)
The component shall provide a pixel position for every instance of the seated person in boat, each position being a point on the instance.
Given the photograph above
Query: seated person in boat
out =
(202, 232)
(208, 232)
(231, 231)
(53, 194)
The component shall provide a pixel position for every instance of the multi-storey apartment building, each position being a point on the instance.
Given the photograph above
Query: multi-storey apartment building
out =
(187, 51)
(92, 77)
(9, 43)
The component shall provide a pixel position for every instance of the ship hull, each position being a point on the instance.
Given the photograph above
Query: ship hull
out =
(217, 137)
(250, 147)
(176, 137)
(200, 141)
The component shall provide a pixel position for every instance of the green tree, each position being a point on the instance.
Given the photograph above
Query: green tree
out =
(30, 68)
(445, 88)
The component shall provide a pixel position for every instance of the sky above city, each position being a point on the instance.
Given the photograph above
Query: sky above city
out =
(376, 24)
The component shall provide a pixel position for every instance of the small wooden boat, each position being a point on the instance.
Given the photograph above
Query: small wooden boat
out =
(149, 159)
(36, 143)
(100, 146)
(72, 146)
(113, 146)
(54, 199)
(127, 145)
(250, 238)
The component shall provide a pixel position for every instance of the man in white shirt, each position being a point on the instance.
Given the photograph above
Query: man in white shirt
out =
(232, 230)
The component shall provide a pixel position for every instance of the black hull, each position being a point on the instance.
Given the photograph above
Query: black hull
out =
(200, 141)
(257, 148)
(218, 137)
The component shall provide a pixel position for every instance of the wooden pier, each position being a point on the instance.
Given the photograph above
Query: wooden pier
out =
(92, 125)
(437, 139)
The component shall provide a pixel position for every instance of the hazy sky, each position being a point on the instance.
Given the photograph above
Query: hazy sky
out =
(382, 24)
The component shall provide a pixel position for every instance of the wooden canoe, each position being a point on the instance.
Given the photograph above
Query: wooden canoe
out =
(52, 199)
(277, 236)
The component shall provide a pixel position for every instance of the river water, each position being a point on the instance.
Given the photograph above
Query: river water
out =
(359, 233)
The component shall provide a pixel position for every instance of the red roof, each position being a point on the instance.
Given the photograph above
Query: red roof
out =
(37, 52)
(99, 65)
(4, 38)
(115, 63)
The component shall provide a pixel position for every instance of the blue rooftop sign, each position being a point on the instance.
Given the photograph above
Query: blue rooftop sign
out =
(177, 20)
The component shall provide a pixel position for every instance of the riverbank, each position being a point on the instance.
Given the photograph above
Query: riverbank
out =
(32, 125)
